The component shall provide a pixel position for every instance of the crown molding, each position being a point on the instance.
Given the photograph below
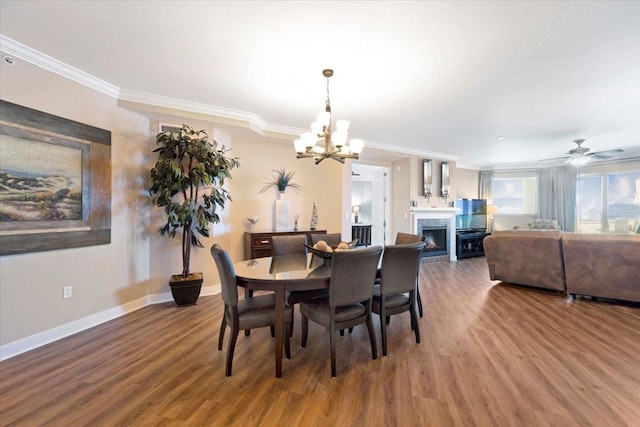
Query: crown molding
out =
(14, 48)
(409, 151)
(253, 121)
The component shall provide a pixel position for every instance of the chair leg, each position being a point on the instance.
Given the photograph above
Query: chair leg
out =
(372, 337)
(341, 332)
(223, 327)
(248, 293)
(419, 301)
(414, 323)
(273, 331)
(304, 324)
(292, 316)
(350, 330)
(332, 345)
(383, 327)
(387, 319)
(287, 340)
(230, 350)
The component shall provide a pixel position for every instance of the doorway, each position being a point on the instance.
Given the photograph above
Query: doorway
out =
(369, 196)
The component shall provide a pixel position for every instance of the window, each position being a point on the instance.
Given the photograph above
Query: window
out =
(609, 202)
(515, 195)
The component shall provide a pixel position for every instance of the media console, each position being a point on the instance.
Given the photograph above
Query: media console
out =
(469, 243)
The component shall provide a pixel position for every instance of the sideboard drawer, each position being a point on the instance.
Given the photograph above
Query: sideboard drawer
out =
(261, 242)
(258, 244)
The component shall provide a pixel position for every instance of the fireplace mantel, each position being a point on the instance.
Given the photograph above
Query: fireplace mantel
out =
(437, 213)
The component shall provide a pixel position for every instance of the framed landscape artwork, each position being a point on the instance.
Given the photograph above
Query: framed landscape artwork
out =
(55, 182)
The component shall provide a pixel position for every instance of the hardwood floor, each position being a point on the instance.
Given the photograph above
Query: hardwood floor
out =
(491, 355)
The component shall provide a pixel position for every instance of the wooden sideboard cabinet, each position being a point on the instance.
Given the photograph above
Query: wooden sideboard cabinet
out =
(258, 244)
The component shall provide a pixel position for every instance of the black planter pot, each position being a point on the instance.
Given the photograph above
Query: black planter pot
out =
(186, 291)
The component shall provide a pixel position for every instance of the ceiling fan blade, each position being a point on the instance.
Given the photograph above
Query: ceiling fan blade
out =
(600, 156)
(608, 152)
(555, 158)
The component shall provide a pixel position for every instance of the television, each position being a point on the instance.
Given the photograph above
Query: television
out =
(471, 214)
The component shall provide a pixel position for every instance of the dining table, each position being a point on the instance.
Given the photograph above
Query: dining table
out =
(282, 274)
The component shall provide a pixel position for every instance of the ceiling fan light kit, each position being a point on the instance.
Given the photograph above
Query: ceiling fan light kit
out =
(323, 143)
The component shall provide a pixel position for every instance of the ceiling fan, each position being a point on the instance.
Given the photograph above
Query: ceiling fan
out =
(581, 155)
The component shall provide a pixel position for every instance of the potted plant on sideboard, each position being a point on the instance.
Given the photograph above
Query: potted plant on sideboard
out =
(187, 181)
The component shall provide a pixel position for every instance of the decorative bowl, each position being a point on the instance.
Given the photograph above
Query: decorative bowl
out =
(329, 255)
(318, 252)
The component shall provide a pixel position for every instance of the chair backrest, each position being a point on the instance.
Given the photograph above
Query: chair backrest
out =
(405, 238)
(227, 275)
(332, 239)
(288, 244)
(399, 270)
(353, 274)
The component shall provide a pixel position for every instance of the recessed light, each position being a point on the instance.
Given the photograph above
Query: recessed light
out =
(8, 59)
(500, 138)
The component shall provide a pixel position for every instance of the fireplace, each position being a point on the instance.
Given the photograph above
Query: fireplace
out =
(435, 238)
(439, 218)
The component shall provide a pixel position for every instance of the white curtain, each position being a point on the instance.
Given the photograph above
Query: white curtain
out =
(485, 186)
(557, 196)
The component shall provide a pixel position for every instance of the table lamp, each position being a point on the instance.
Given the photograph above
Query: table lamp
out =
(356, 211)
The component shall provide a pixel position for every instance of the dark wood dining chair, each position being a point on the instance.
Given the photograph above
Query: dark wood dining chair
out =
(348, 304)
(290, 245)
(249, 313)
(396, 292)
(404, 239)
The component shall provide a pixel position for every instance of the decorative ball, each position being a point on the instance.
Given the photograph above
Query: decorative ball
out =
(321, 245)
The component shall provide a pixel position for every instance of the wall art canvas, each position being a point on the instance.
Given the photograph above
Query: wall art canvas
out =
(55, 182)
(39, 181)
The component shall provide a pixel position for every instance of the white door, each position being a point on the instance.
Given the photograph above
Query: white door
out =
(379, 207)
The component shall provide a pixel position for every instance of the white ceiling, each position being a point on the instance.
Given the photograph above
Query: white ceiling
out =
(429, 78)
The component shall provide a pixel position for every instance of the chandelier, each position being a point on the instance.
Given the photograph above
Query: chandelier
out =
(323, 143)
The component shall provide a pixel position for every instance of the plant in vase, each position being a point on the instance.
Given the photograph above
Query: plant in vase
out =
(187, 181)
(281, 179)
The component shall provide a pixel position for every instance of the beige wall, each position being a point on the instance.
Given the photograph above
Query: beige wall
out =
(467, 183)
(103, 276)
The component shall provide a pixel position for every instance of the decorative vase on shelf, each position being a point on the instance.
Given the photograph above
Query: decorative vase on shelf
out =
(314, 218)
(281, 213)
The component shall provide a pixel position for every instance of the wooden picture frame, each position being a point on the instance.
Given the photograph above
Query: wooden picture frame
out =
(35, 196)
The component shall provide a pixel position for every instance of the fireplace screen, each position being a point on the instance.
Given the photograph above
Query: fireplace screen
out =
(435, 238)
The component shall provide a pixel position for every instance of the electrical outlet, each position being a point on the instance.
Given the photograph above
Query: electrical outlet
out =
(67, 292)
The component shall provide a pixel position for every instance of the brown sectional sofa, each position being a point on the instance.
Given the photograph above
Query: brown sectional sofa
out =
(598, 265)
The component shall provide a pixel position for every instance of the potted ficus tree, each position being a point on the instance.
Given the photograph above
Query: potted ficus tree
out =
(187, 181)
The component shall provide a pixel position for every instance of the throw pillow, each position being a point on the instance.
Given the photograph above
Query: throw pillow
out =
(544, 224)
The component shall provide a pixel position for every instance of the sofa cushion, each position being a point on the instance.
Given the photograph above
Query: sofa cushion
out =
(602, 265)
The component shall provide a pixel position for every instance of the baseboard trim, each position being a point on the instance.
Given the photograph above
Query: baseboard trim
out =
(54, 334)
